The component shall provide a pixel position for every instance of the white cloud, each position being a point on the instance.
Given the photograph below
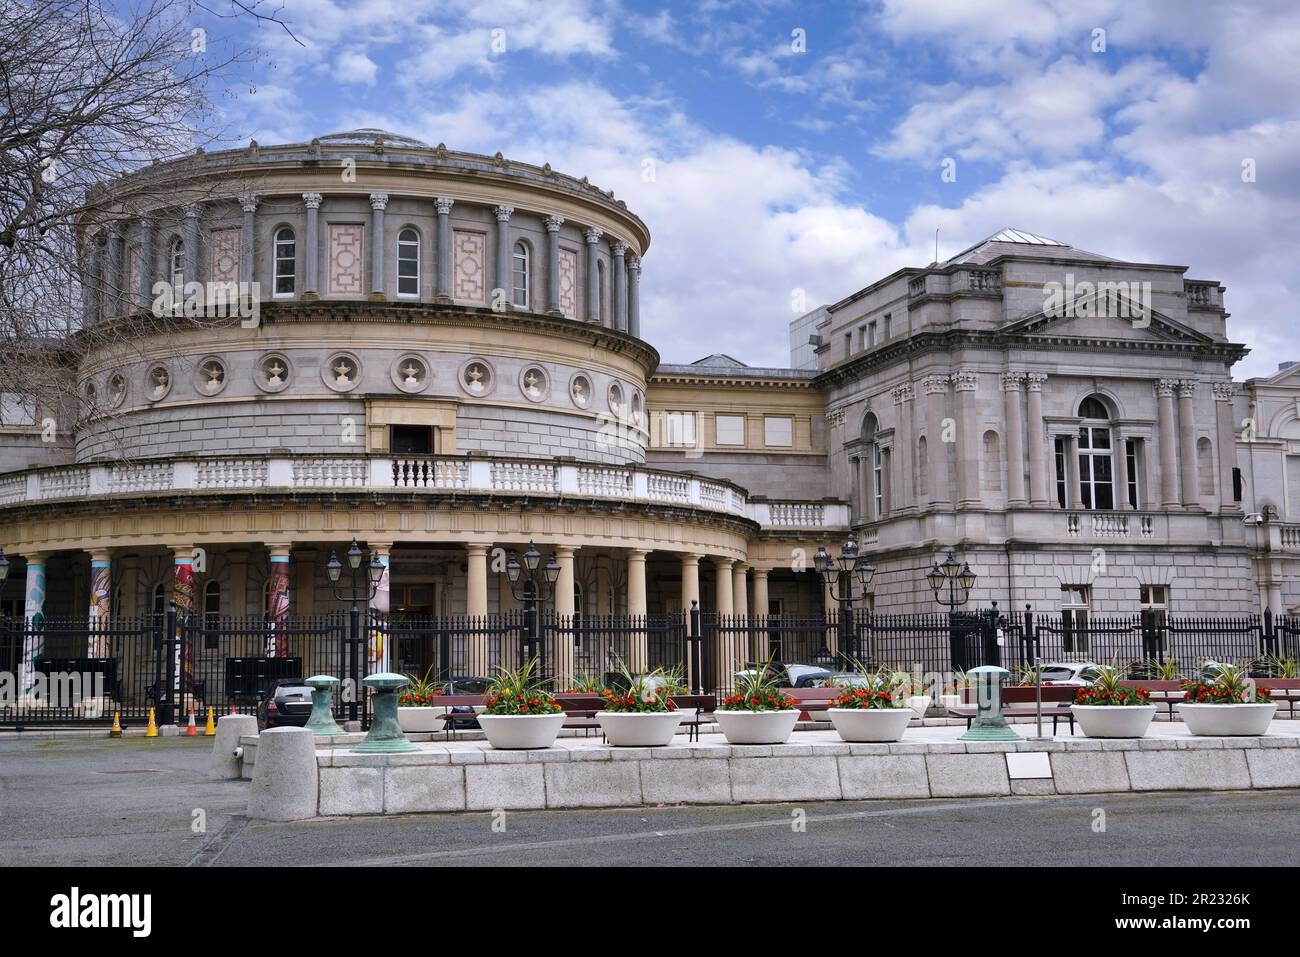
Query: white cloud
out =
(354, 67)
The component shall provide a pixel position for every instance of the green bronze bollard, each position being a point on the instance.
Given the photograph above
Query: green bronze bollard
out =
(385, 735)
(989, 724)
(322, 699)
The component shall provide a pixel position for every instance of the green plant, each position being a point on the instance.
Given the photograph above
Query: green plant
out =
(1224, 683)
(1168, 670)
(758, 689)
(519, 691)
(420, 692)
(882, 688)
(1281, 666)
(587, 682)
(647, 693)
(1107, 689)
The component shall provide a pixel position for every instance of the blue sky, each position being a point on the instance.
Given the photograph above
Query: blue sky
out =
(781, 172)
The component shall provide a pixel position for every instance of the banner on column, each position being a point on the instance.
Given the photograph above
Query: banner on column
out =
(277, 606)
(34, 611)
(101, 573)
(382, 602)
(183, 599)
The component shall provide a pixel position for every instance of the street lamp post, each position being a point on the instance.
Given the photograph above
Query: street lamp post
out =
(838, 578)
(953, 576)
(532, 583)
(362, 586)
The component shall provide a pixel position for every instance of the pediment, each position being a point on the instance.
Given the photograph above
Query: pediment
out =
(1105, 315)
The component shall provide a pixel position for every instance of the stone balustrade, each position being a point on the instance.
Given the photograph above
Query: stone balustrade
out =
(415, 473)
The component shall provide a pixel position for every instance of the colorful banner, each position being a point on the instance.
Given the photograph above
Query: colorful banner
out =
(381, 603)
(101, 575)
(34, 611)
(277, 606)
(183, 598)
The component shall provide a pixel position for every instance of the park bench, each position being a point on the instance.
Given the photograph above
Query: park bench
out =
(1166, 692)
(580, 711)
(1021, 702)
(1282, 690)
(452, 719)
(700, 708)
(813, 702)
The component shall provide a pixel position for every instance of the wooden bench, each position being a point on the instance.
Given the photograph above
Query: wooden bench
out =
(580, 710)
(449, 701)
(813, 702)
(1021, 702)
(1280, 690)
(1163, 691)
(703, 706)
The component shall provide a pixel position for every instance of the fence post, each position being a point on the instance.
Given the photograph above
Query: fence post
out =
(992, 650)
(168, 645)
(693, 657)
(444, 654)
(354, 664)
(1268, 637)
(1028, 640)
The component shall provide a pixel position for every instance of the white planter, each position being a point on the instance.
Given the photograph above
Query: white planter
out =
(1227, 719)
(950, 700)
(650, 729)
(757, 727)
(420, 720)
(1113, 721)
(871, 724)
(516, 731)
(920, 703)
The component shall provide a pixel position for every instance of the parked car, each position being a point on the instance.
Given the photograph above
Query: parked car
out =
(1072, 674)
(287, 706)
(793, 675)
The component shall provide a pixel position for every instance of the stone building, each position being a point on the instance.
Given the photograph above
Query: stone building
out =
(448, 358)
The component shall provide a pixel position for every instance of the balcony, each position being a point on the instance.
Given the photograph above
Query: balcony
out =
(417, 474)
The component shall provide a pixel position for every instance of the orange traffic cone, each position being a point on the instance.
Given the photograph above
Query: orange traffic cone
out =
(116, 730)
(152, 730)
(211, 727)
(232, 709)
(191, 730)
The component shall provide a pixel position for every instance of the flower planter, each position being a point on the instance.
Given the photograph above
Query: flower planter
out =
(950, 700)
(920, 703)
(1113, 721)
(420, 719)
(516, 731)
(870, 724)
(757, 727)
(635, 729)
(1227, 719)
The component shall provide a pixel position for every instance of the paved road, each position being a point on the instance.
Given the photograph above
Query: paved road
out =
(131, 802)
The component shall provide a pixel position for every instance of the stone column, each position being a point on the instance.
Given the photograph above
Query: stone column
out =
(445, 255)
(906, 444)
(101, 600)
(34, 612)
(311, 247)
(639, 651)
(191, 231)
(1072, 471)
(758, 610)
(858, 490)
(886, 483)
(553, 224)
(1187, 443)
(91, 305)
(722, 573)
(690, 580)
(1121, 469)
(504, 283)
(563, 665)
(1015, 444)
(740, 590)
(182, 597)
(634, 296)
(1038, 472)
(144, 289)
(248, 242)
(114, 283)
(592, 236)
(378, 203)
(620, 285)
(968, 443)
(1168, 443)
(476, 604)
(1226, 436)
(936, 391)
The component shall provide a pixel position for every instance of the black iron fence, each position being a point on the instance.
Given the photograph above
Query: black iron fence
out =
(70, 671)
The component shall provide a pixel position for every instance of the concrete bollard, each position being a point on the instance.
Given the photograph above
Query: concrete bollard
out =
(223, 765)
(286, 781)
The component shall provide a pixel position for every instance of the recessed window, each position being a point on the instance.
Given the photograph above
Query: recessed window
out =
(285, 262)
(177, 262)
(871, 334)
(519, 271)
(211, 605)
(408, 263)
(1154, 599)
(1074, 617)
(679, 428)
(1096, 480)
(778, 430)
(730, 429)
(411, 439)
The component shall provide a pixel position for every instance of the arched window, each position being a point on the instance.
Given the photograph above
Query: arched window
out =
(159, 603)
(991, 463)
(922, 468)
(285, 262)
(1205, 467)
(874, 505)
(519, 271)
(1096, 466)
(176, 262)
(211, 605)
(408, 263)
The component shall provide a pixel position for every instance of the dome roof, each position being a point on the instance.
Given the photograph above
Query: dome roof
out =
(366, 136)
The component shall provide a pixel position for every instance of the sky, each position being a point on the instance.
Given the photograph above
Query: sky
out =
(784, 155)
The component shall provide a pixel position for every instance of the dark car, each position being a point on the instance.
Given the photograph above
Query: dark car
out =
(287, 706)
